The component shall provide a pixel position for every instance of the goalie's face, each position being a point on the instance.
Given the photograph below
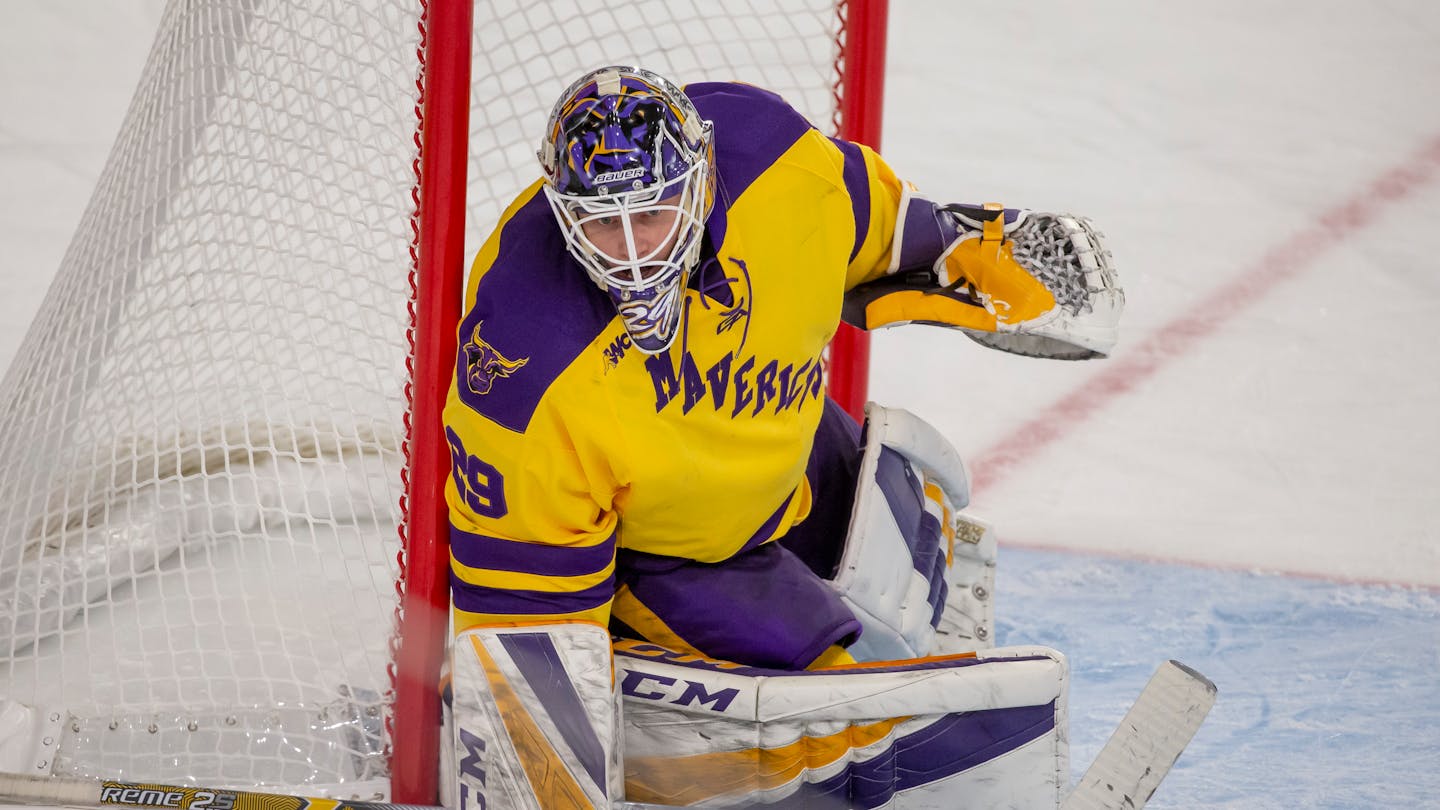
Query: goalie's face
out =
(628, 167)
(640, 241)
(639, 248)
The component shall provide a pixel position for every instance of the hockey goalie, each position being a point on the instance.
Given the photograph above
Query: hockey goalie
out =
(681, 575)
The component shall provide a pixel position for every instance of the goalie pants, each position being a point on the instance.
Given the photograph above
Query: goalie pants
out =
(766, 606)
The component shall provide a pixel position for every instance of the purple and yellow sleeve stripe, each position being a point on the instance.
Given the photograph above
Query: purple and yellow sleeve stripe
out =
(499, 581)
(857, 185)
(875, 194)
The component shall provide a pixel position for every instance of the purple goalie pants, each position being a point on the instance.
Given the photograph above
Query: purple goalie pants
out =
(765, 607)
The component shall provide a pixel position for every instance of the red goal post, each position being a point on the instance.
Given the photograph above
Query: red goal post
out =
(860, 112)
(859, 86)
(230, 399)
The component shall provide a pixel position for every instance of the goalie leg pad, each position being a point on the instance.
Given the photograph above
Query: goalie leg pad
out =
(899, 547)
(968, 620)
(957, 731)
(535, 718)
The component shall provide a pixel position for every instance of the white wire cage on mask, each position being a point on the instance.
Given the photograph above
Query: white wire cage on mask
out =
(639, 247)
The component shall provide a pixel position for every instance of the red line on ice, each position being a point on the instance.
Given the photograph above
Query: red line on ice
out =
(1279, 264)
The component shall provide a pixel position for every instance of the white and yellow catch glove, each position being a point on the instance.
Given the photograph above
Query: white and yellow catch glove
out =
(1029, 282)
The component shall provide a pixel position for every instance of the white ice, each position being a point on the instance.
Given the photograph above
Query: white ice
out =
(1270, 405)
(1298, 434)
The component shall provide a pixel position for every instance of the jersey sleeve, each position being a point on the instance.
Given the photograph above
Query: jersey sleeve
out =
(530, 495)
(895, 228)
(528, 542)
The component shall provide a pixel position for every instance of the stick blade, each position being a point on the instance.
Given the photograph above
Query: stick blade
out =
(1147, 742)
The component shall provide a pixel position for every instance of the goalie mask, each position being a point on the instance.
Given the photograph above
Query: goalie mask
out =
(627, 163)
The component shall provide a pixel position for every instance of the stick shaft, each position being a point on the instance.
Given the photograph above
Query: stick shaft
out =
(55, 790)
(61, 791)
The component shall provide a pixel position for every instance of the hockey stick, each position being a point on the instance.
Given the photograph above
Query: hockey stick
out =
(62, 791)
(1147, 742)
(1125, 774)
(59, 790)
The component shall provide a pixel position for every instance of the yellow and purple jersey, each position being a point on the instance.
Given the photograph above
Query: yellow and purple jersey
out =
(567, 443)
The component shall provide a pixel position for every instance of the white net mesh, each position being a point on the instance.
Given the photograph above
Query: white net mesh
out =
(200, 453)
(200, 441)
(526, 53)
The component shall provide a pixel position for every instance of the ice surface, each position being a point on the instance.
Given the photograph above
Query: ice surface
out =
(1328, 696)
(1276, 399)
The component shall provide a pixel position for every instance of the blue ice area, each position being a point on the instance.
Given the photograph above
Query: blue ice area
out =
(1329, 694)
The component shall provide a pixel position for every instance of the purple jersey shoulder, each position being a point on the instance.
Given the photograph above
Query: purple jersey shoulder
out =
(534, 313)
(753, 128)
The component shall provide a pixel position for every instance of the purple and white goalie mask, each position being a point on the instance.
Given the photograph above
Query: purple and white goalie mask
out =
(627, 162)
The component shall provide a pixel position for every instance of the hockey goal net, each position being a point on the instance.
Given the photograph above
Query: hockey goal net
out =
(211, 441)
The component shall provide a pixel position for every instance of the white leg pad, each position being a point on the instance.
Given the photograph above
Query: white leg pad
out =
(892, 572)
(536, 718)
(959, 731)
(968, 619)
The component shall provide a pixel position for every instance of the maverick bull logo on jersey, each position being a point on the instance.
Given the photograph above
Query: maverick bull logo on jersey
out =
(484, 365)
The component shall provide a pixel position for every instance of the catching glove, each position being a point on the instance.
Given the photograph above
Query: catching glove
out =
(1028, 282)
